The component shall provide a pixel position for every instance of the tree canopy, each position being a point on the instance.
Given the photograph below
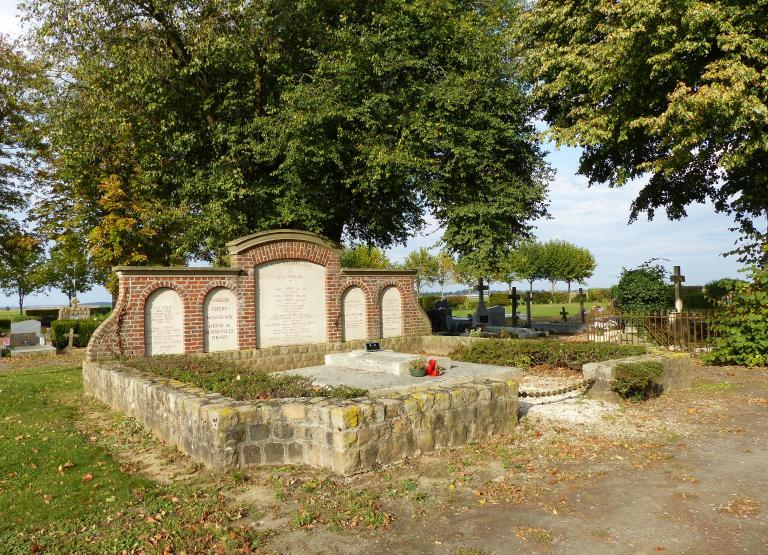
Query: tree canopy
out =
(176, 126)
(426, 265)
(362, 256)
(675, 89)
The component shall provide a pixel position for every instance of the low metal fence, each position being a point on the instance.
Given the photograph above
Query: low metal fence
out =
(679, 331)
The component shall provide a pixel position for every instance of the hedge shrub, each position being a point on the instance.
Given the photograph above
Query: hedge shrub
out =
(5, 324)
(499, 299)
(83, 328)
(642, 289)
(742, 328)
(527, 353)
(45, 315)
(637, 381)
(237, 381)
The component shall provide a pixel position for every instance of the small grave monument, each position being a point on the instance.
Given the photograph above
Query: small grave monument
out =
(497, 316)
(27, 333)
(74, 311)
(678, 279)
(481, 314)
(515, 298)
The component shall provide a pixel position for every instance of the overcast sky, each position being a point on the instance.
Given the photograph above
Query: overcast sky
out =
(595, 218)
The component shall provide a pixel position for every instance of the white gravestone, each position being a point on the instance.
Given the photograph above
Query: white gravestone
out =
(353, 305)
(291, 303)
(391, 313)
(220, 320)
(164, 323)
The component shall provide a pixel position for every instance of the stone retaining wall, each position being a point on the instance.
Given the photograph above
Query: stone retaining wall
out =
(345, 436)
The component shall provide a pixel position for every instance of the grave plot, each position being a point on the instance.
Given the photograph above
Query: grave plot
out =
(285, 303)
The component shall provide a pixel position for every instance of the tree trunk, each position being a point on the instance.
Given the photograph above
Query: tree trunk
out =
(21, 302)
(552, 298)
(569, 292)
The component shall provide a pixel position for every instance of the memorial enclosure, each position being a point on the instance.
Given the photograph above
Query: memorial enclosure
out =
(282, 288)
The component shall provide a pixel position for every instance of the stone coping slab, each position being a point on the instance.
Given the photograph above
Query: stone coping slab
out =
(389, 362)
(380, 384)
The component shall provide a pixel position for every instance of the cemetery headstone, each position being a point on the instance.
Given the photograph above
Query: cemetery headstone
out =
(291, 303)
(353, 313)
(74, 311)
(481, 314)
(26, 333)
(164, 323)
(220, 321)
(391, 313)
(497, 316)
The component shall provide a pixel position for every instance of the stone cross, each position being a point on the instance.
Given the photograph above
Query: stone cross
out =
(528, 309)
(480, 288)
(582, 314)
(564, 314)
(71, 337)
(514, 297)
(678, 279)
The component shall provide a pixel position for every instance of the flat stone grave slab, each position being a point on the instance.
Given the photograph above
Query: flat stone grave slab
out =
(521, 333)
(33, 350)
(380, 384)
(390, 362)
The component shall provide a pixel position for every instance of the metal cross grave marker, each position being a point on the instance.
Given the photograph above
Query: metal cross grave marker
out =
(514, 297)
(564, 314)
(480, 288)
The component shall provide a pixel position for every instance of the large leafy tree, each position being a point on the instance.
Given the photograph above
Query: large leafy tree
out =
(364, 256)
(351, 119)
(672, 89)
(425, 264)
(22, 271)
(20, 78)
(68, 267)
(527, 263)
(564, 261)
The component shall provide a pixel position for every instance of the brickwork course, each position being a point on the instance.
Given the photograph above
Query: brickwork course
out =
(123, 333)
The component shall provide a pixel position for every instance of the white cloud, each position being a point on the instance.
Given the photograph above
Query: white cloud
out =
(9, 18)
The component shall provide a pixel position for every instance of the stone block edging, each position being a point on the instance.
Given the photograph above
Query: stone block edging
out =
(345, 436)
(677, 373)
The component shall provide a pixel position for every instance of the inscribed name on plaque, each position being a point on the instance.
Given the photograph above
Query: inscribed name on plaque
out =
(164, 323)
(291, 303)
(391, 313)
(353, 305)
(220, 325)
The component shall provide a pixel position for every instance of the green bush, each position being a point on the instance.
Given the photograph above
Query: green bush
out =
(45, 315)
(599, 295)
(5, 324)
(642, 289)
(637, 381)
(456, 301)
(696, 300)
(499, 299)
(101, 311)
(717, 291)
(83, 328)
(527, 353)
(237, 381)
(427, 302)
(741, 329)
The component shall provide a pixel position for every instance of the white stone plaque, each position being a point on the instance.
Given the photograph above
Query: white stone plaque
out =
(164, 323)
(391, 313)
(353, 304)
(220, 320)
(291, 303)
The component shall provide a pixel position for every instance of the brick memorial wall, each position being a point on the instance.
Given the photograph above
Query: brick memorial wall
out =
(283, 288)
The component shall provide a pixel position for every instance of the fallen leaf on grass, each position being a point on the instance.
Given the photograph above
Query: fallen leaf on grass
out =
(87, 477)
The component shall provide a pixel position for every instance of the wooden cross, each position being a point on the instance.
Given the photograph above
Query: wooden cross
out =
(564, 314)
(71, 336)
(514, 298)
(678, 279)
(480, 288)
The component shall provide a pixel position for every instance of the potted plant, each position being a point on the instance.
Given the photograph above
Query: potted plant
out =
(418, 367)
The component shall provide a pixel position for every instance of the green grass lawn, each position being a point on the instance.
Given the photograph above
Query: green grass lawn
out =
(61, 491)
(539, 311)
